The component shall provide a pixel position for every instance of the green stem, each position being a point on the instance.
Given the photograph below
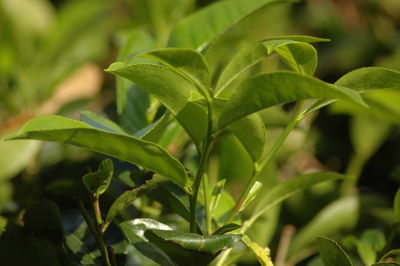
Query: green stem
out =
(353, 173)
(207, 145)
(97, 234)
(259, 167)
(207, 204)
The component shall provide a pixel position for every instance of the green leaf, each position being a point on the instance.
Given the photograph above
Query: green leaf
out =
(370, 78)
(365, 79)
(169, 88)
(288, 188)
(175, 92)
(123, 147)
(392, 253)
(339, 215)
(123, 201)
(134, 233)
(261, 49)
(255, 189)
(216, 194)
(97, 182)
(185, 247)
(100, 122)
(332, 253)
(188, 63)
(262, 254)
(132, 101)
(371, 242)
(200, 29)
(155, 130)
(226, 229)
(271, 89)
(397, 205)
(251, 133)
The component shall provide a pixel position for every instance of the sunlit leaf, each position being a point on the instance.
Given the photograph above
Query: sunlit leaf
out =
(275, 88)
(123, 147)
(262, 254)
(200, 29)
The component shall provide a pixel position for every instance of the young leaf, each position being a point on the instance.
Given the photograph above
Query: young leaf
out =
(257, 51)
(332, 253)
(199, 30)
(288, 188)
(186, 62)
(262, 254)
(364, 79)
(169, 88)
(134, 233)
(97, 182)
(185, 247)
(370, 78)
(123, 147)
(100, 122)
(216, 194)
(123, 201)
(275, 88)
(255, 189)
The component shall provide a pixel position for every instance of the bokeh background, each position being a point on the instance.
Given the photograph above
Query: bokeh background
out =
(52, 56)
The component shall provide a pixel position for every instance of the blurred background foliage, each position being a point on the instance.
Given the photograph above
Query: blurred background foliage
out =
(51, 58)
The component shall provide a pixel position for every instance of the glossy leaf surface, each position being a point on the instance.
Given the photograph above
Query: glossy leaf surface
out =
(275, 88)
(332, 253)
(123, 147)
(134, 233)
(100, 122)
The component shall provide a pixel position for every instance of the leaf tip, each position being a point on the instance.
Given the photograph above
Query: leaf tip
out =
(114, 67)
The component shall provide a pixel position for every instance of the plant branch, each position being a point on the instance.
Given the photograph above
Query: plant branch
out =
(96, 231)
(259, 167)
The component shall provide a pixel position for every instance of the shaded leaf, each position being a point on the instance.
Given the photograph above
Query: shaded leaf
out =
(184, 247)
(397, 205)
(339, 215)
(155, 130)
(97, 182)
(123, 201)
(262, 254)
(200, 29)
(251, 133)
(226, 229)
(271, 89)
(123, 147)
(332, 253)
(393, 263)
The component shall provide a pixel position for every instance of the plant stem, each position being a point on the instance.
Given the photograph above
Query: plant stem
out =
(259, 167)
(353, 173)
(207, 204)
(96, 231)
(207, 145)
